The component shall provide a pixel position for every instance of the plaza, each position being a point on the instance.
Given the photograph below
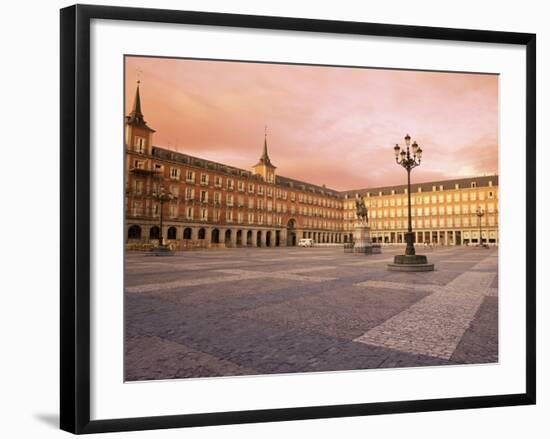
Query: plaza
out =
(243, 311)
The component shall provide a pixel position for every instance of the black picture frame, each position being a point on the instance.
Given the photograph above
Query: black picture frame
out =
(75, 217)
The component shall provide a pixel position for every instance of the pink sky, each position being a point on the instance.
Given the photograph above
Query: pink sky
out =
(326, 125)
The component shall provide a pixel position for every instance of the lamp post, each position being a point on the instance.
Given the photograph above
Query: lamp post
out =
(161, 196)
(409, 162)
(480, 213)
(409, 158)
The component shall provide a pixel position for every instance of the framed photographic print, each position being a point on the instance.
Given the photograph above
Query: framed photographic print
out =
(268, 218)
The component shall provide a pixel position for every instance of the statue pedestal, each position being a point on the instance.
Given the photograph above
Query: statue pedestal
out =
(361, 239)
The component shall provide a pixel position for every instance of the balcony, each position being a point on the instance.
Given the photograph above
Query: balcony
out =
(144, 172)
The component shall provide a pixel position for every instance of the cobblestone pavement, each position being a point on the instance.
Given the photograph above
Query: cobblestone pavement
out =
(257, 311)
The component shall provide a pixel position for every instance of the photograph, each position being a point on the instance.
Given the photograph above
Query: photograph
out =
(296, 218)
(272, 220)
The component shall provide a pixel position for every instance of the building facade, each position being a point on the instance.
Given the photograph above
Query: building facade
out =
(214, 203)
(202, 203)
(442, 212)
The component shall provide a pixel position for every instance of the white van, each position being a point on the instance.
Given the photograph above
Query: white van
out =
(305, 242)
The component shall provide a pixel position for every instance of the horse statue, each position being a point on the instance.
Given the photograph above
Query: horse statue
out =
(361, 209)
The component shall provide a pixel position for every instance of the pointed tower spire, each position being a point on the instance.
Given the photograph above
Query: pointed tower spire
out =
(135, 118)
(137, 102)
(264, 167)
(265, 155)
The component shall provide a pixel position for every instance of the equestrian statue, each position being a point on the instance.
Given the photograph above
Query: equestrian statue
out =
(361, 209)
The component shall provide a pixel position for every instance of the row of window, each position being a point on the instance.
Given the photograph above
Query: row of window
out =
(259, 203)
(239, 185)
(434, 199)
(473, 185)
(215, 215)
(426, 211)
(138, 189)
(433, 222)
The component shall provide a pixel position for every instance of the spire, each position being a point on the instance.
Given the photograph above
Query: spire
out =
(135, 117)
(137, 102)
(264, 159)
(265, 155)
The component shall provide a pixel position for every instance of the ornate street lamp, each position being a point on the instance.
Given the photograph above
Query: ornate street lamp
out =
(480, 213)
(409, 159)
(162, 196)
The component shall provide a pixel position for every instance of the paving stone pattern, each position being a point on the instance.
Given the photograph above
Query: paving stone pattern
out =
(260, 311)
